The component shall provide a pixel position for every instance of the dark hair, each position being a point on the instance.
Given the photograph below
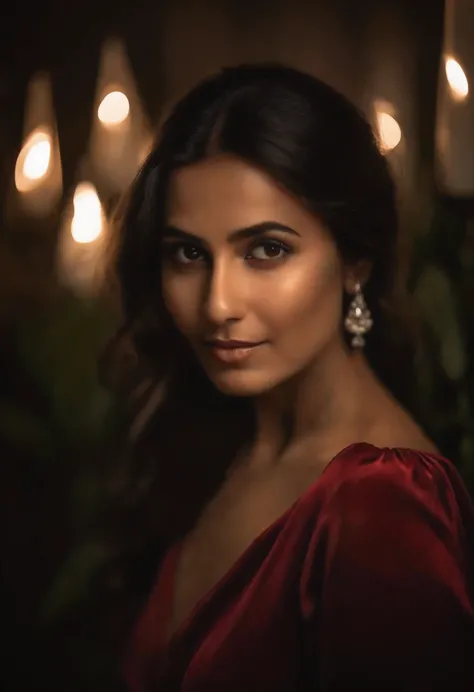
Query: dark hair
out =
(315, 143)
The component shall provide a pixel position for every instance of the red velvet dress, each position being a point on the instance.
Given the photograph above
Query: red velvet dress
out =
(365, 583)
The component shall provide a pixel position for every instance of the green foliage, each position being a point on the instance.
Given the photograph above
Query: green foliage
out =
(442, 283)
(57, 428)
(71, 586)
(60, 350)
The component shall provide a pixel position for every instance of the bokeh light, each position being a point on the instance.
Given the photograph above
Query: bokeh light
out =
(34, 161)
(87, 220)
(390, 133)
(114, 109)
(457, 80)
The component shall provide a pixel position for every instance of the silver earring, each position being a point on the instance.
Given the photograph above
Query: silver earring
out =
(359, 320)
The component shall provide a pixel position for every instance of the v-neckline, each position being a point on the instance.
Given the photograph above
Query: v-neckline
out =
(171, 563)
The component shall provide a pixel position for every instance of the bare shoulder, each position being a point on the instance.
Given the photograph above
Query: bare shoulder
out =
(395, 427)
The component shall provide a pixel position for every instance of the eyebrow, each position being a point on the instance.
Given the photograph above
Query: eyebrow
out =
(240, 234)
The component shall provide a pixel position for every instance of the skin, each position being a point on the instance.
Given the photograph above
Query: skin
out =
(224, 285)
(281, 287)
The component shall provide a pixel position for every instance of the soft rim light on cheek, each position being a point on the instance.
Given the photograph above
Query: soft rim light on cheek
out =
(180, 303)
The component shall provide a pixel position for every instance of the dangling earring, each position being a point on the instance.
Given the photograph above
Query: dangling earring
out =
(359, 320)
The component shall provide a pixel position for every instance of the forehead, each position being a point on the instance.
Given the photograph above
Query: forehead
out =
(225, 193)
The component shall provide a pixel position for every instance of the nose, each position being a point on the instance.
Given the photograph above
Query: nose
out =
(224, 301)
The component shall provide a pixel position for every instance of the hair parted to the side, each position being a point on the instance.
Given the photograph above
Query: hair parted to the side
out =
(317, 145)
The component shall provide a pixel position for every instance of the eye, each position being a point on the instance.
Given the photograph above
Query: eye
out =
(185, 253)
(269, 250)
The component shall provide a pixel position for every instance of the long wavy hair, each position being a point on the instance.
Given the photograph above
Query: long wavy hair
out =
(183, 433)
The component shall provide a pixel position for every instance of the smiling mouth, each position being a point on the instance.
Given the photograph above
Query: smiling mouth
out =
(232, 351)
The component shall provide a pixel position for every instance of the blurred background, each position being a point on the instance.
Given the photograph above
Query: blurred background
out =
(82, 88)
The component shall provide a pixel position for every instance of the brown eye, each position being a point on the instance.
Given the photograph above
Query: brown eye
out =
(187, 254)
(269, 250)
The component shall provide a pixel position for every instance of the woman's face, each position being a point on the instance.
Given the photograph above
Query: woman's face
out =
(251, 279)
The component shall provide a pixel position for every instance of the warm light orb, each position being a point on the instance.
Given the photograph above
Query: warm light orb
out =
(34, 161)
(390, 133)
(87, 221)
(457, 79)
(37, 160)
(114, 109)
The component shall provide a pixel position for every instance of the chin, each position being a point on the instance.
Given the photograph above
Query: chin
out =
(243, 383)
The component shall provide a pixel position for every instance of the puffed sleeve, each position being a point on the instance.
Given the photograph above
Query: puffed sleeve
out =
(387, 584)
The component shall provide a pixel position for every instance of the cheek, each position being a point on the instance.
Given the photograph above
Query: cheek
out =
(307, 300)
(181, 298)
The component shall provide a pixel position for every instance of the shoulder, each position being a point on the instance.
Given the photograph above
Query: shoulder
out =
(392, 511)
(392, 488)
(364, 465)
(408, 466)
(386, 578)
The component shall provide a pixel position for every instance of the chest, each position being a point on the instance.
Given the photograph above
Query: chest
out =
(242, 510)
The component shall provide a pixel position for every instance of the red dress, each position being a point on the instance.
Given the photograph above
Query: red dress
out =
(365, 583)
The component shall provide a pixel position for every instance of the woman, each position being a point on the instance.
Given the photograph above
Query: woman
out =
(312, 537)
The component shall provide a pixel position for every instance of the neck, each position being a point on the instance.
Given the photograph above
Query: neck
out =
(321, 405)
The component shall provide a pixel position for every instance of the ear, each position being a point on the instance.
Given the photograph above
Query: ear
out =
(358, 273)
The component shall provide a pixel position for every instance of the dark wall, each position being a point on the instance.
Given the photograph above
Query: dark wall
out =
(366, 49)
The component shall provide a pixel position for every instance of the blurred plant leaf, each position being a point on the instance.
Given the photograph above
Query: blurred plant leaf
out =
(72, 583)
(26, 433)
(435, 296)
(86, 499)
(61, 349)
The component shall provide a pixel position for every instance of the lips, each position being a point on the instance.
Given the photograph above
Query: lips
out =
(232, 351)
(231, 344)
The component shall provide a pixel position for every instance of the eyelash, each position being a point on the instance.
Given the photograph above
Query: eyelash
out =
(171, 251)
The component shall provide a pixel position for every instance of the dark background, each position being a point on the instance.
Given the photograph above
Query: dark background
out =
(58, 427)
